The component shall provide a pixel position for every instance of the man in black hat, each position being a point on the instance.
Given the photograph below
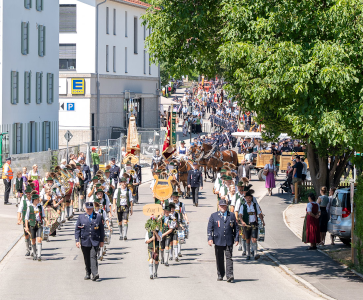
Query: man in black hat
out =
(195, 180)
(223, 233)
(89, 235)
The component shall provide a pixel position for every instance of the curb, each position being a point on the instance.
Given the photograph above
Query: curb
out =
(6, 252)
(297, 278)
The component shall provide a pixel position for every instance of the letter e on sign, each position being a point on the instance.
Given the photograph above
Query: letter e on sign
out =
(77, 86)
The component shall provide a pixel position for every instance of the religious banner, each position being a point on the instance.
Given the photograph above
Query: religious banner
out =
(132, 146)
(168, 147)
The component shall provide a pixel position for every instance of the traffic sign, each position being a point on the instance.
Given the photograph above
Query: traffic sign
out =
(70, 106)
(68, 136)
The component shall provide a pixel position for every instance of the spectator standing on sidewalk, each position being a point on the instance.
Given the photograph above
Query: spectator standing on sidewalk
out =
(305, 169)
(323, 202)
(269, 171)
(297, 173)
(96, 159)
(7, 175)
(331, 197)
(311, 231)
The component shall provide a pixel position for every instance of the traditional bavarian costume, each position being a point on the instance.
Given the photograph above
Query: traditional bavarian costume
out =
(99, 210)
(175, 217)
(35, 215)
(22, 209)
(249, 214)
(124, 201)
(167, 226)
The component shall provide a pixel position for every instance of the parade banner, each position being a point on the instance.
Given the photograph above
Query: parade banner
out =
(168, 147)
(132, 146)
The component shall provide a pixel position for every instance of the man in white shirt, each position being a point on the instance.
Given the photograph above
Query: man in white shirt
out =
(123, 203)
(248, 214)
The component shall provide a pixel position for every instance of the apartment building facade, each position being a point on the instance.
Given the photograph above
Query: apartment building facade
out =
(29, 75)
(127, 79)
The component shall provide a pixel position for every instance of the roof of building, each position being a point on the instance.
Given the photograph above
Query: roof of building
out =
(134, 2)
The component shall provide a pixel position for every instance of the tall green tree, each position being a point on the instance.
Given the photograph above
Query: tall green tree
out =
(298, 64)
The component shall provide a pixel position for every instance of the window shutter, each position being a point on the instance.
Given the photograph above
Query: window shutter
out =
(14, 139)
(27, 38)
(30, 86)
(29, 137)
(22, 37)
(39, 43)
(21, 138)
(25, 87)
(50, 135)
(44, 124)
(11, 87)
(36, 137)
(17, 87)
(44, 38)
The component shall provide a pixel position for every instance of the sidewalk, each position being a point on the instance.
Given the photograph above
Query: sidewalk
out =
(10, 232)
(314, 267)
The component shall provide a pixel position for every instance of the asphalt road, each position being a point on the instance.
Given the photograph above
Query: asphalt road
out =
(124, 271)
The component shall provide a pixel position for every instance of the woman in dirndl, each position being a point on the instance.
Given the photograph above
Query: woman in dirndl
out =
(270, 176)
(323, 202)
(34, 176)
(311, 231)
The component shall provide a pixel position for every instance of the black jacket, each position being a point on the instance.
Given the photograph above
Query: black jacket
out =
(195, 178)
(223, 232)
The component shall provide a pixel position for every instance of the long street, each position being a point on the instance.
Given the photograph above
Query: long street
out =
(124, 270)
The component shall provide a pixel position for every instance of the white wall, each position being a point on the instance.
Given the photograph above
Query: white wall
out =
(14, 13)
(85, 38)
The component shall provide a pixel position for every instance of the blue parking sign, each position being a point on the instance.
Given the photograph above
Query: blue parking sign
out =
(70, 106)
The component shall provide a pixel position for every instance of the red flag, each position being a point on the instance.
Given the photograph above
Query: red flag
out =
(168, 148)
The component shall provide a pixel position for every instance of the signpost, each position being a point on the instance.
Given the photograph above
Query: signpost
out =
(68, 136)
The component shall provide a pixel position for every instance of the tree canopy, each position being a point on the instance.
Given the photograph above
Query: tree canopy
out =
(296, 63)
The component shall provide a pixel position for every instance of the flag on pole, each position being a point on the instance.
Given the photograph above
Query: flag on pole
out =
(168, 147)
(132, 146)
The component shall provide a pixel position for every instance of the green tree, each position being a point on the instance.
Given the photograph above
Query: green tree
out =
(298, 64)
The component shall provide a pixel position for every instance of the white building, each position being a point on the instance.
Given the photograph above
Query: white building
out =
(29, 75)
(123, 65)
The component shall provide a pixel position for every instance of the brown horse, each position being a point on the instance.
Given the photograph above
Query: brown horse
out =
(184, 167)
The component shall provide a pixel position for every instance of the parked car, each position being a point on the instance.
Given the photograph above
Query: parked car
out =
(340, 222)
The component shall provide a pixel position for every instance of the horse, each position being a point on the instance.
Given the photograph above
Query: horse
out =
(184, 167)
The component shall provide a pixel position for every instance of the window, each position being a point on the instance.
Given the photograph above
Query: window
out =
(50, 88)
(125, 59)
(114, 58)
(31, 137)
(14, 87)
(107, 20)
(107, 68)
(135, 35)
(67, 56)
(125, 23)
(24, 38)
(149, 65)
(114, 21)
(144, 61)
(27, 87)
(18, 133)
(46, 135)
(67, 18)
(39, 5)
(144, 32)
(39, 87)
(28, 4)
(41, 40)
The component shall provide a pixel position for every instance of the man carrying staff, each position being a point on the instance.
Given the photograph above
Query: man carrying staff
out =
(223, 232)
